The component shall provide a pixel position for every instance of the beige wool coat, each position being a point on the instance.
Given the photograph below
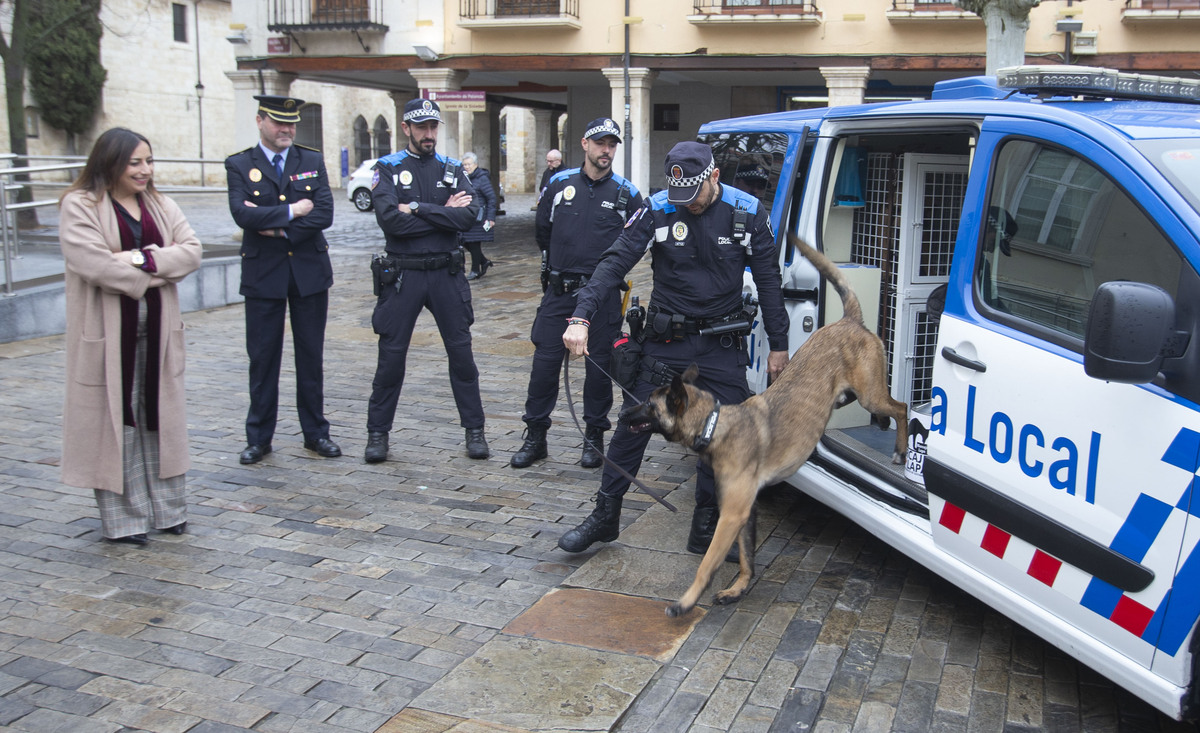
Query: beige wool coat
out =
(93, 424)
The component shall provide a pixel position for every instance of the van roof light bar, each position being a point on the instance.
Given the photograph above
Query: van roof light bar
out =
(1097, 82)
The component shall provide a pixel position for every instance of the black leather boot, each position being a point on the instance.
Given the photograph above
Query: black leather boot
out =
(533, 449)
(602, 525)
(477, 446)
(593, 448)
(704, 524)
(377, 447)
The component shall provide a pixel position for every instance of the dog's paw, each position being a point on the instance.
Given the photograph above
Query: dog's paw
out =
(675, 610)
(897, 459)
(725, 597)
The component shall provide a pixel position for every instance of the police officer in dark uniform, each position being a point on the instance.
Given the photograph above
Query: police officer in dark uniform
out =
(422, 202)
(279, 195)
(581, 212)
(702, 235)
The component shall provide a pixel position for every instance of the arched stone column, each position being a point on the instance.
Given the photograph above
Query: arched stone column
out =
(641, 80)
(846, 84)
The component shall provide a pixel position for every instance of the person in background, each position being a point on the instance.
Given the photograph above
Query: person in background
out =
(125, 246)
(481, 232)
(279, 195)
(554, 163)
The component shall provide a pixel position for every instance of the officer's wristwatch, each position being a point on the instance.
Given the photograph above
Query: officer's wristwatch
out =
(413, 206)
(137, 258)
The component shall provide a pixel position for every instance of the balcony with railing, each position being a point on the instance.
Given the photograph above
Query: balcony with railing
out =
(738, 12)
(285, 16)
(904, 11)
(499, 14)
(1160, 10)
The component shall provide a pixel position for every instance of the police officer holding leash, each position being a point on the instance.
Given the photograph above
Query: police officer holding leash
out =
(422, 201)
(581, 212)
(702, 235)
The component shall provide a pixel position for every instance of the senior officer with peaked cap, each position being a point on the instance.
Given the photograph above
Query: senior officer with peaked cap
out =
(279, 195)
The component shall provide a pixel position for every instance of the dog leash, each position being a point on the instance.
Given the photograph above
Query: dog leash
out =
(607, 461)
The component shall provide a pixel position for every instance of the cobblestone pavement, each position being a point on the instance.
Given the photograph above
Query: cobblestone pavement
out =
(427, 594)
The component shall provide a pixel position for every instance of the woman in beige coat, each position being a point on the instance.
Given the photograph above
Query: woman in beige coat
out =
(124, 421)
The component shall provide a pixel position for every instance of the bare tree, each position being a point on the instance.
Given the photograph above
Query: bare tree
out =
(1006, 22)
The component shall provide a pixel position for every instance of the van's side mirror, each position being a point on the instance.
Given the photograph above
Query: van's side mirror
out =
(1128, 326)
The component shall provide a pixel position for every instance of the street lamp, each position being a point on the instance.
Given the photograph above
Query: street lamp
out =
(200, 121)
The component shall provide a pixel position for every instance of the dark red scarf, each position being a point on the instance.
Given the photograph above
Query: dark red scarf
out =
(129, 319)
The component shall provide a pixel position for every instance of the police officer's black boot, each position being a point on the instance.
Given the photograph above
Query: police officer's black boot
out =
(533, 449)
(593, 448)
(602, 525)
(477, 446)
(704, 524)
(377, 447)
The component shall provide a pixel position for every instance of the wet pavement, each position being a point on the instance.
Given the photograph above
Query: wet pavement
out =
(427, 594)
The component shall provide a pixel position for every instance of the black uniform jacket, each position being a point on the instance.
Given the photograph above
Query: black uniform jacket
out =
(401, 178)
(698, 262)
(267, 261)
(578, 218)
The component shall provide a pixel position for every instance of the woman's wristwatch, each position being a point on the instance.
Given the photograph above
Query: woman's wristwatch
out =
(137, 258)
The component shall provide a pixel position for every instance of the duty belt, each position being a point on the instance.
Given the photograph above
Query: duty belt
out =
(663, 326)
(423, 262)
(563, 283)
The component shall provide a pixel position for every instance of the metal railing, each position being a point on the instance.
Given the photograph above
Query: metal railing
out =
(750, 7)
(9, 187)
(1162, 4)
(325, 15)
(473, 9)
(918, 5)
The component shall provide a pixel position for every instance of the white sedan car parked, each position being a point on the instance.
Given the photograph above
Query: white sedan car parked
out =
(358, 188)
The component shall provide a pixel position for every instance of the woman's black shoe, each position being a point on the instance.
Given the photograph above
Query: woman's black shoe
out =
(133, 539)
(177, 529)
(474, 275)
(484, 267)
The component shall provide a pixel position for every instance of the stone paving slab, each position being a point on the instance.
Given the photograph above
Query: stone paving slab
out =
(538, 685)
(316, 595)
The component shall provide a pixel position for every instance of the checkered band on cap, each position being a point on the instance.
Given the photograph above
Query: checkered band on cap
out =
(422, 109)
(678, 181)
(601, 127)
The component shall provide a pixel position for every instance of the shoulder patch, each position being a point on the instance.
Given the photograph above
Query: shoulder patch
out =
(305, 147)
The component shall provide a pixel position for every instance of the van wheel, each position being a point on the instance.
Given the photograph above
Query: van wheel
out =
(362, 199)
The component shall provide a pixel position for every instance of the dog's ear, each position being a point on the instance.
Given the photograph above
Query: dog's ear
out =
(689, 376)
(677, 396)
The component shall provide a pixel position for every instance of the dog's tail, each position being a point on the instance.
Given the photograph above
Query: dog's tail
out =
(850, 306)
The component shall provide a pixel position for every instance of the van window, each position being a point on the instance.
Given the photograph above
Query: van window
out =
(1055, 229)
(750, 161)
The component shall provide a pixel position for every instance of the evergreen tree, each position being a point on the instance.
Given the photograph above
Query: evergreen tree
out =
(66, 77)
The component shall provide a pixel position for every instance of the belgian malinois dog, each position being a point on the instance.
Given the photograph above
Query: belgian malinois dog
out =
(769, 436)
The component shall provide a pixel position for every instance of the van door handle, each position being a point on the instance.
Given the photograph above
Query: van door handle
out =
(954, 357)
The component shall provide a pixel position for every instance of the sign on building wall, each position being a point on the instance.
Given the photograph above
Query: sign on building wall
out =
(279, 44)
(458, 101)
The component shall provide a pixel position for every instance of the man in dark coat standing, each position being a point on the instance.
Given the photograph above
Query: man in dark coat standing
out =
(279, 195)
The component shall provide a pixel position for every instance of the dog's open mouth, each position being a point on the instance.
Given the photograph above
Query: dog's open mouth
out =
(640, 426)
(636, 419)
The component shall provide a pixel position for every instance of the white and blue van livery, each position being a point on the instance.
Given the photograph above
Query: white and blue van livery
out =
(1027, 246)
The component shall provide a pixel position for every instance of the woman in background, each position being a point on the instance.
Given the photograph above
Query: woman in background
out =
(124, 421)
(483, 229)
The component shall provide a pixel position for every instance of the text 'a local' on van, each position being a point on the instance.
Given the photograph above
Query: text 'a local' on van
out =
(1027, 247)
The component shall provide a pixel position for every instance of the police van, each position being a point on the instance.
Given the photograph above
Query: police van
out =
(1027, 247)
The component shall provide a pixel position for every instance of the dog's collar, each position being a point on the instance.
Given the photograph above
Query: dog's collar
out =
(710, 427)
